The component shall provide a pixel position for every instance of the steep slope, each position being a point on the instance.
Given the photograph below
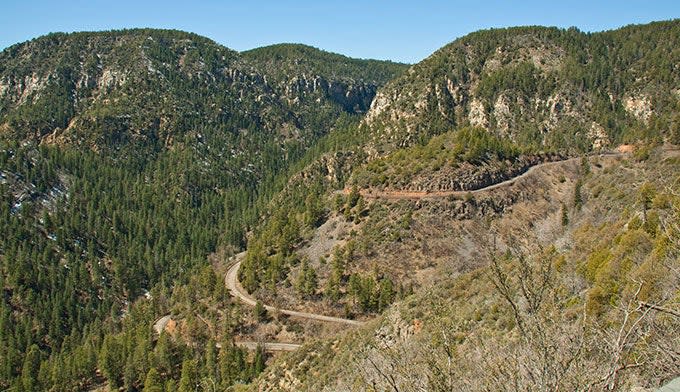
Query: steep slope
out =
(543, 269)
(565, 279)
(320, 75)
(534, 66)
(540, 86)
(127, 158)
(151, 86)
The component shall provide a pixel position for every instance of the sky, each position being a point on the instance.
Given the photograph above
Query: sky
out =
(405, 31)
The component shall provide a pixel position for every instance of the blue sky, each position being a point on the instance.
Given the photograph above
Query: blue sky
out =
(397, 30)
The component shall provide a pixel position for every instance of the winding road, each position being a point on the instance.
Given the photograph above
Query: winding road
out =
(233, 284)
(418, 195)
(231, 278)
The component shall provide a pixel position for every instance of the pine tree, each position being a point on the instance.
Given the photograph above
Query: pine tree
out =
(210, 368)
(386, 294)
(332, 290)
(260, 312)
(258, 364)
(153, 382)
(307, 281)
(578, 199)
(111, 360)
(565, 215)
(187, 381)
(29, 371)
(232, 364)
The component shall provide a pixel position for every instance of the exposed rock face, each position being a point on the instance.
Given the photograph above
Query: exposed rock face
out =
(131, 86)
(468, 177)
(393, 330)
(559, 107)
(501, 112)
(525, 82)
(353, 96)
(19, 90)
(378, 106)
(599, 136)
(111, 78)
(477, 114)
(475, 207)
(639, 106)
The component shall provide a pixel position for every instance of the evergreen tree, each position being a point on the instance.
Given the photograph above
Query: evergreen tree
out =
(153, 382)
(260, 312)
(565, 215)
(232, 364)
(578, 199)
(111, 360)
(258, 364)
(29, 371)
(188, 379)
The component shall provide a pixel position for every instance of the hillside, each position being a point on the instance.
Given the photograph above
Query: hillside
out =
(525, 287)
(417, 210)
(538, 86)
(127, 158)
(419, 136)
(159, 87)
(471, 222)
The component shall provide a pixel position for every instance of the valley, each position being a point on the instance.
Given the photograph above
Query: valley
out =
(502, 215)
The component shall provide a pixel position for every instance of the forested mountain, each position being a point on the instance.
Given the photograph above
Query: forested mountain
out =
(162, 87)
(458, 207)
(540, 86)
(521, 286)
(127, 158)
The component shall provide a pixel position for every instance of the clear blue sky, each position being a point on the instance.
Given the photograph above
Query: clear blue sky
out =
(384, 29)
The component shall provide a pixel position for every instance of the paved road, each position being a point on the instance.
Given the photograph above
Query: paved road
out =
(232, 283)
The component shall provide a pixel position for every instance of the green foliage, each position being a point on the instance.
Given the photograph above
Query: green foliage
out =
(153, 382)
(181, 159)
(259, 361)
(544, 86)
(307, 280)
(29, 371)
(523, 79)
(294, 57)
(371, 294)
(565, 215)
(188, 381)
(578, 197)
(158, 169)
(467, 144)
(260, 312)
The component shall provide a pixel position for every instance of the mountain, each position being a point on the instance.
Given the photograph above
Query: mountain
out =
(489, 180)
(538, 85)
(152, 86)
(471, 222)
(127, 158)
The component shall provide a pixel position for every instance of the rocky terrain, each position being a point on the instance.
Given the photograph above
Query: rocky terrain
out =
(467, 218)
(534, 85)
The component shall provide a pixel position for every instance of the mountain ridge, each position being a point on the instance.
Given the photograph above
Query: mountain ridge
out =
(135, 163)
(531, 82)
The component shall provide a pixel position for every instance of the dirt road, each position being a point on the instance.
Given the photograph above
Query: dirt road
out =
(234, 286)
(232, 283)
(269, 346)
(418, 195)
